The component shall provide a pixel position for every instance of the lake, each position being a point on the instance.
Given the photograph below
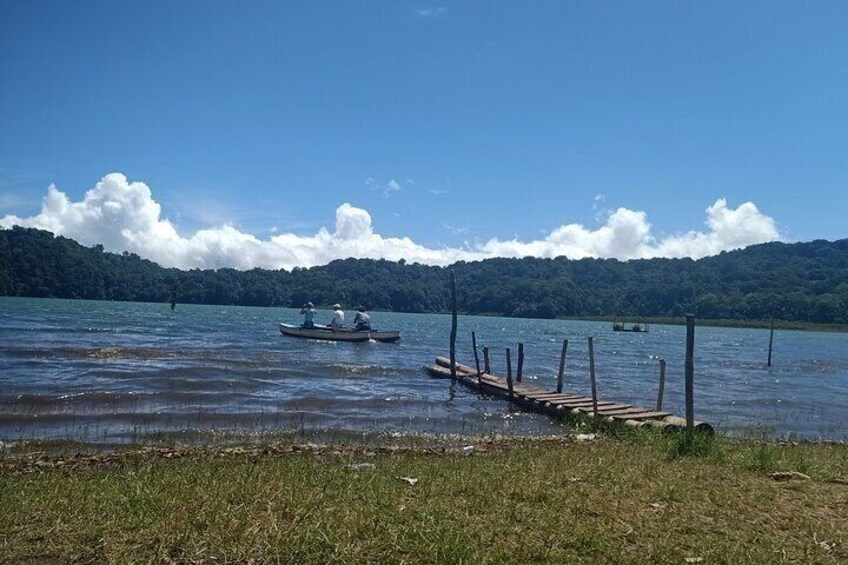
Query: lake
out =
(113, 372)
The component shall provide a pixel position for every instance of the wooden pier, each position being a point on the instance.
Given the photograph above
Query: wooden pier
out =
(554, 403)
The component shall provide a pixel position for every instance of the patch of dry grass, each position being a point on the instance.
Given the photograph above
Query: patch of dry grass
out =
(606, 501)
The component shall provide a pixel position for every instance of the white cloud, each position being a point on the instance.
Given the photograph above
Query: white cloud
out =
(12, 200)
(385, 188)
(456, 230)
(598, 207)
(123, 216)
(728, 229)
(433, 13)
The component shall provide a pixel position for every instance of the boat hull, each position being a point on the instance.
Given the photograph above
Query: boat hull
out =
(638, 327)
(328, 334)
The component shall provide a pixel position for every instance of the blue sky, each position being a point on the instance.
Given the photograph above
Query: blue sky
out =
(452, 124)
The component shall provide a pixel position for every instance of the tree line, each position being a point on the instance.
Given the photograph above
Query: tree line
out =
(803, 282)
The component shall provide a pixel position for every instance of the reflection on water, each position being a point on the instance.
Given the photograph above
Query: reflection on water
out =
(107, 371)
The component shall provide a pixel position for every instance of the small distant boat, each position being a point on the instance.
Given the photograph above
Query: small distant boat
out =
(338, 334)
(637, 327)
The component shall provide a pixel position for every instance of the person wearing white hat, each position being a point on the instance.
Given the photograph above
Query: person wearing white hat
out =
(338, 316)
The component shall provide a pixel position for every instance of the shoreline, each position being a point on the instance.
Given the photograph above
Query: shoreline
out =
(209, 441)
(662, 320)
(55, 451)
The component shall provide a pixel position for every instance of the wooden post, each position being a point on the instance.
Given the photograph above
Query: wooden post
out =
(662, 385)
(453, 326)
(520, 362)
(771, 341)
(486, 367)
(592, 375)
(690, 372)
(509, 371)
(562, 365)
(476, 358)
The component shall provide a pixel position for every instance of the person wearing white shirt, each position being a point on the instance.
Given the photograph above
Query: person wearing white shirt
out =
(338, 316)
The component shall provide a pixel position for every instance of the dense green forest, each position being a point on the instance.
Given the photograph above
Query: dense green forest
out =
(805, 282)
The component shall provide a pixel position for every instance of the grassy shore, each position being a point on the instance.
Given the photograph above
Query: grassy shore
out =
(640, 499)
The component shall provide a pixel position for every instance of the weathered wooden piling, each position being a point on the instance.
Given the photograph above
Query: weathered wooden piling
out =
(453, 325)
(486, 367)
(771, 341)
(509, 371)
(561, 365)
(476, 357)
(592, 375)
(690, 372)
(520, 362)
(662, 385)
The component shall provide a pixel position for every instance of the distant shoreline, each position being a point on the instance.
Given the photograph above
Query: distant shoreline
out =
(660, 320)
(719, 323)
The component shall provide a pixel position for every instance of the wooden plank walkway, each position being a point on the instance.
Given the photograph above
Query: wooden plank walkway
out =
(539, 399)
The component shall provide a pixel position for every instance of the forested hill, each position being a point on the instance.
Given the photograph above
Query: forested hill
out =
(801, 282)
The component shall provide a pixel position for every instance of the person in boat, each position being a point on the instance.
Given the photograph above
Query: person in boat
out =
(338, 317)
(362, 321)
(308, 312)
